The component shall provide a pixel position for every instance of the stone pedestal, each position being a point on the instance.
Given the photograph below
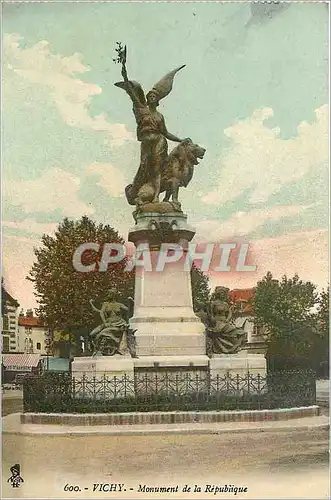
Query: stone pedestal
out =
(238, 374)
(95, 377)
(171, 374)
(238, 364)
(96, 366)
(163, 317)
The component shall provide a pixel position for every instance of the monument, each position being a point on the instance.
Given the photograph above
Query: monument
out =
(225, 343)
(164, 333)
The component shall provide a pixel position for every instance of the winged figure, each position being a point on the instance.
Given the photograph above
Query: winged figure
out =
(151, 129)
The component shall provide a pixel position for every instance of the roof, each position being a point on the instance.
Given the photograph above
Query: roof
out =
(27, 321)
(20, 360)
(243, 295)
(6, 297)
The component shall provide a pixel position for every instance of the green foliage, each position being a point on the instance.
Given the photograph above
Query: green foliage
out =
(63, 293)
(322, 346)
(285, 309)
(200, 287)
(323, 313)
(223, 295)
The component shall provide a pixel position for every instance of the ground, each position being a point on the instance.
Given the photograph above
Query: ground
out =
(288, 464)
(272, 465)
(12, 402)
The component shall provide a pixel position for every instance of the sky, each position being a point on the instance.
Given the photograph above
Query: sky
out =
(254, 93)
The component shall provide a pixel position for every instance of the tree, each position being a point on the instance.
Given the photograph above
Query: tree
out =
(63, 293)
(285, 310)
(200, 287)
(323, 312)
(3, 299)
(321, 352)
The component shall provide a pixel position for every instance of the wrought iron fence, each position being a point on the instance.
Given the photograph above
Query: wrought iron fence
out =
(61, 392)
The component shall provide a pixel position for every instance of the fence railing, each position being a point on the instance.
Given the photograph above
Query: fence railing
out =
(63, 393)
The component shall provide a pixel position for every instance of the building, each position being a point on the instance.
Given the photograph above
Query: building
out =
(34, 335)
(244, 318)
(9, 322)
(15, 366)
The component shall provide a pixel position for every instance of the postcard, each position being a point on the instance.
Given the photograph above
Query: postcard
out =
(165, 271)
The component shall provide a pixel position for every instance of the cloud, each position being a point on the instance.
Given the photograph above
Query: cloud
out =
(18, 258)
(31, 226)
(243, 223)
(111, 180)
(57, 74)
(54, 189)
(260, 160)
(305, 253)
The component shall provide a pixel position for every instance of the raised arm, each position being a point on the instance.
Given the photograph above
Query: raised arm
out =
(129, 87)
(93, 306)
(168, 135)
(125, 75)
(102, 313)
(124, 307)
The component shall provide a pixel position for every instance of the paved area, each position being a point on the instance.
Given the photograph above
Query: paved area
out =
(12, 402)
(323, 392)
(281, 462)
(290, 464)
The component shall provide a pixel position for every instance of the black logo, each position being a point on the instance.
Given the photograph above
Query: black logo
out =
(15, 478)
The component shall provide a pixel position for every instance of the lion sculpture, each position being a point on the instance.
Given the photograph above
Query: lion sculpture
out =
(177, 173)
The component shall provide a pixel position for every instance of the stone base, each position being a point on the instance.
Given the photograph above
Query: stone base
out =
(160, 207)
(98, 373)
(238, 374)
(238, 364)
(166, 374)
(171, 362)
(160, 223)
(161, 374)
(162, 417)
(179, 337)
(96, 366)
(171, 374)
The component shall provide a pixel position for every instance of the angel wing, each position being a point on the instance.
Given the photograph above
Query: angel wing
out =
(134, 90)
(164, 86)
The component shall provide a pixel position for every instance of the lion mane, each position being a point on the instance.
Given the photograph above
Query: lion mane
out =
(180, 164)
(177, 172)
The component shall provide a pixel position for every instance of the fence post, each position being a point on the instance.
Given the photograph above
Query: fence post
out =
(177, 393)
(94, 384)
(83, 384)
(156, 393)
(314, 387)
(259, 390)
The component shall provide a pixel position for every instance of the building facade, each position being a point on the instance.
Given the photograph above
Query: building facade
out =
(244, 318)
(9, 322)
(34, 335)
